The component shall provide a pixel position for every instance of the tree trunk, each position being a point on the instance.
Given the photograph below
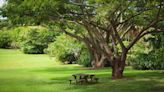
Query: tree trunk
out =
(118, 66)
(117, 69)
(98, 61)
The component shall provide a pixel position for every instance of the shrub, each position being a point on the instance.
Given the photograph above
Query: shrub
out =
(35, 40)
(69, 50)
(140, 47)
(152, 61)
(15, 36)
(5, 39)
(65, 49)
(84, 58)
(68, 57)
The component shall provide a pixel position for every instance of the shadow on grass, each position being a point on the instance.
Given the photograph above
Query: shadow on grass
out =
(121, 86)
(134, 81)
(145, 74)
(139, 82)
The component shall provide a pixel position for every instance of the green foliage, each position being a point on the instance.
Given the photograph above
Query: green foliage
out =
(68, 57)
(96, 15)
(139, 47)
(68, 50)
(154, 60)
(24, 11)
(147, 53)
(5, 39)
(155, 41)
(30, 39)
(15, 35)
(84, 58)
(10, 37)
(35, 40)
(64, 48)
(4, 24)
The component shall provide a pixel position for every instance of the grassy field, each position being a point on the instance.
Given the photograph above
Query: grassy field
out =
(39, 73)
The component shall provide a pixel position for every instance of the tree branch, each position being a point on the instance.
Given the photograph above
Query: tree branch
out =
(122, 11)
(85, 5)
(131, 17)
(72, 35)
(151, 24)
(125, 32)
(117, 36)
(151, 32)
(100, 27)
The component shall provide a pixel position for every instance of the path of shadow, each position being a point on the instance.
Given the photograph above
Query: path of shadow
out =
(148, 81)
(137, 82)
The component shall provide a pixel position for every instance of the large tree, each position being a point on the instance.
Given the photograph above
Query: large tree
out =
(103, 25)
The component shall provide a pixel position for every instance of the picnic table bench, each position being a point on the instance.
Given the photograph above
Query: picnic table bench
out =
(84, 78)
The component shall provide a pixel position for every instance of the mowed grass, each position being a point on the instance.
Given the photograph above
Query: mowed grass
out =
(40, 73)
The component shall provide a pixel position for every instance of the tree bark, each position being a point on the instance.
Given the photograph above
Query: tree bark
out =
(117, 68)
(118, 65)
(98, 61)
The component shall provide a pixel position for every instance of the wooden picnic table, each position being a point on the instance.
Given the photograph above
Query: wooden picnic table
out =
(81, 78)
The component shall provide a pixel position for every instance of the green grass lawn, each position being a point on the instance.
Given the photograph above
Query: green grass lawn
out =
(40, 73)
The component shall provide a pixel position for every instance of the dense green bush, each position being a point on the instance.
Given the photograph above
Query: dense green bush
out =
(84, 58)
(15, 37)
(68, 50)
(68, 57)
(140, 47)
(11, 37)
(5, 39)
(154, 60)
(64, 49)
(35, 40)
(155, 41)
(31, 40)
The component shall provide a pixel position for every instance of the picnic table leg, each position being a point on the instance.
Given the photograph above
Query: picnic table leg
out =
(75, 78)
(70, 81)
(92, 76)
(96, 79)
(86, 79)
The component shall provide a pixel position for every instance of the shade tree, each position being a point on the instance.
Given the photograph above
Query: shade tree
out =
(102, 25)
